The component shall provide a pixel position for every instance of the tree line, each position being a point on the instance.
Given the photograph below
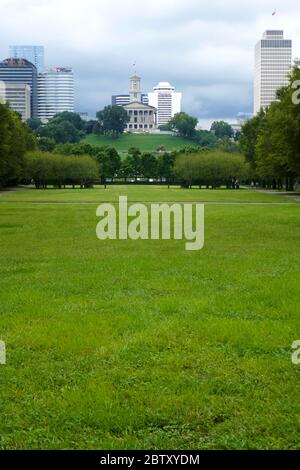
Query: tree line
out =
(84, 164)
(60, 170)
(211, 169)
(271, 140)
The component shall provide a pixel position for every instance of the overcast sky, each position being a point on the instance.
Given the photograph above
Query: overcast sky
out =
(204, 48)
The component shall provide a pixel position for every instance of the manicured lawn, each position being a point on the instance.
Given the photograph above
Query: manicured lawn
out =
(142, 193)
(140, 344)
(145, 142)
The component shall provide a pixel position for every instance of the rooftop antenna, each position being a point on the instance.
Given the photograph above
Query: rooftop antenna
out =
(134, 66)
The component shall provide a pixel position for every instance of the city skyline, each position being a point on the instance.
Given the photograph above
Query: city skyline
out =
(205, 53)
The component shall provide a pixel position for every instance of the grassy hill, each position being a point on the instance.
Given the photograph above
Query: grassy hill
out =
(145, 142)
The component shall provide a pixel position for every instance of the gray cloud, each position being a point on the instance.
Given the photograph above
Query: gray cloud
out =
(206, 49)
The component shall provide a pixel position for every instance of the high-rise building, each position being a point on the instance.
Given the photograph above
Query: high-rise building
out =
(21, 71)
(166, 101)
(55, 92)
(17, 96)
(34, 54)
(273, 61)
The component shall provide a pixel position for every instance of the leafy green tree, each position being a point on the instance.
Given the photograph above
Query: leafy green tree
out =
(149, 165)
(60, 131)
(183, 124)
(59, 170)
(271, 140)
(113, 120)
(126, 169)
(72, 118)
(135, 161)
(278, 144)
(34, 123)
(227, 145)
(46, 144)
(89, 126)
(206, 139)
(165, 165)
(109, 162)
(15, 140)
(221, 129)
(249, 137)
(211, 168)
(97, 128)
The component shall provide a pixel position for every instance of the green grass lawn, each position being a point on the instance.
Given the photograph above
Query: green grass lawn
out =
(140, 344)
(145, 142)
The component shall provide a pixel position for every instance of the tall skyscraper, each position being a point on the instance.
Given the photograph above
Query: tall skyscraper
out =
(18, 97)
(55, 92)
(166, 101)
(34, 54)
(21, 71)
(273, 61)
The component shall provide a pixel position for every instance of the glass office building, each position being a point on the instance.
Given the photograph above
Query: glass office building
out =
(21, 71)
(34, 54)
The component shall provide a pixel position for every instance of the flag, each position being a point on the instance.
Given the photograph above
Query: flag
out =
(274, 13)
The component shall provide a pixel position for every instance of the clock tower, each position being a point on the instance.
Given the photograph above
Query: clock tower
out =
(135, 89)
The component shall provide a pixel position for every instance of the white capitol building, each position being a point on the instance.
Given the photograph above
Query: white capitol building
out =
(148, 112)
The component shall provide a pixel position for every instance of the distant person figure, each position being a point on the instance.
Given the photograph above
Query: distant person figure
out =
(237, 184)
(252, 184)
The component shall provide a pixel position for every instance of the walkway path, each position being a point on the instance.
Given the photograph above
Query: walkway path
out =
(12, 190)
(294, 196)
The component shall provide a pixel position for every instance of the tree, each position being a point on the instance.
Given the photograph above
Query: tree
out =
(72, 118)
(89, 126)
(15, 140)
(212, 168)
(113, 120)
(227, 145)
(34, 123)
(148, 165)
(46, 144)
(221, 129)
(206, 138)
(59, 170)
(271, 140)
(183, 124)
(109, 162)
(135, 161)
(80, 148)
(249, 137)
(165, 166)
(126, 169)
(60, 131)
(97, 128)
